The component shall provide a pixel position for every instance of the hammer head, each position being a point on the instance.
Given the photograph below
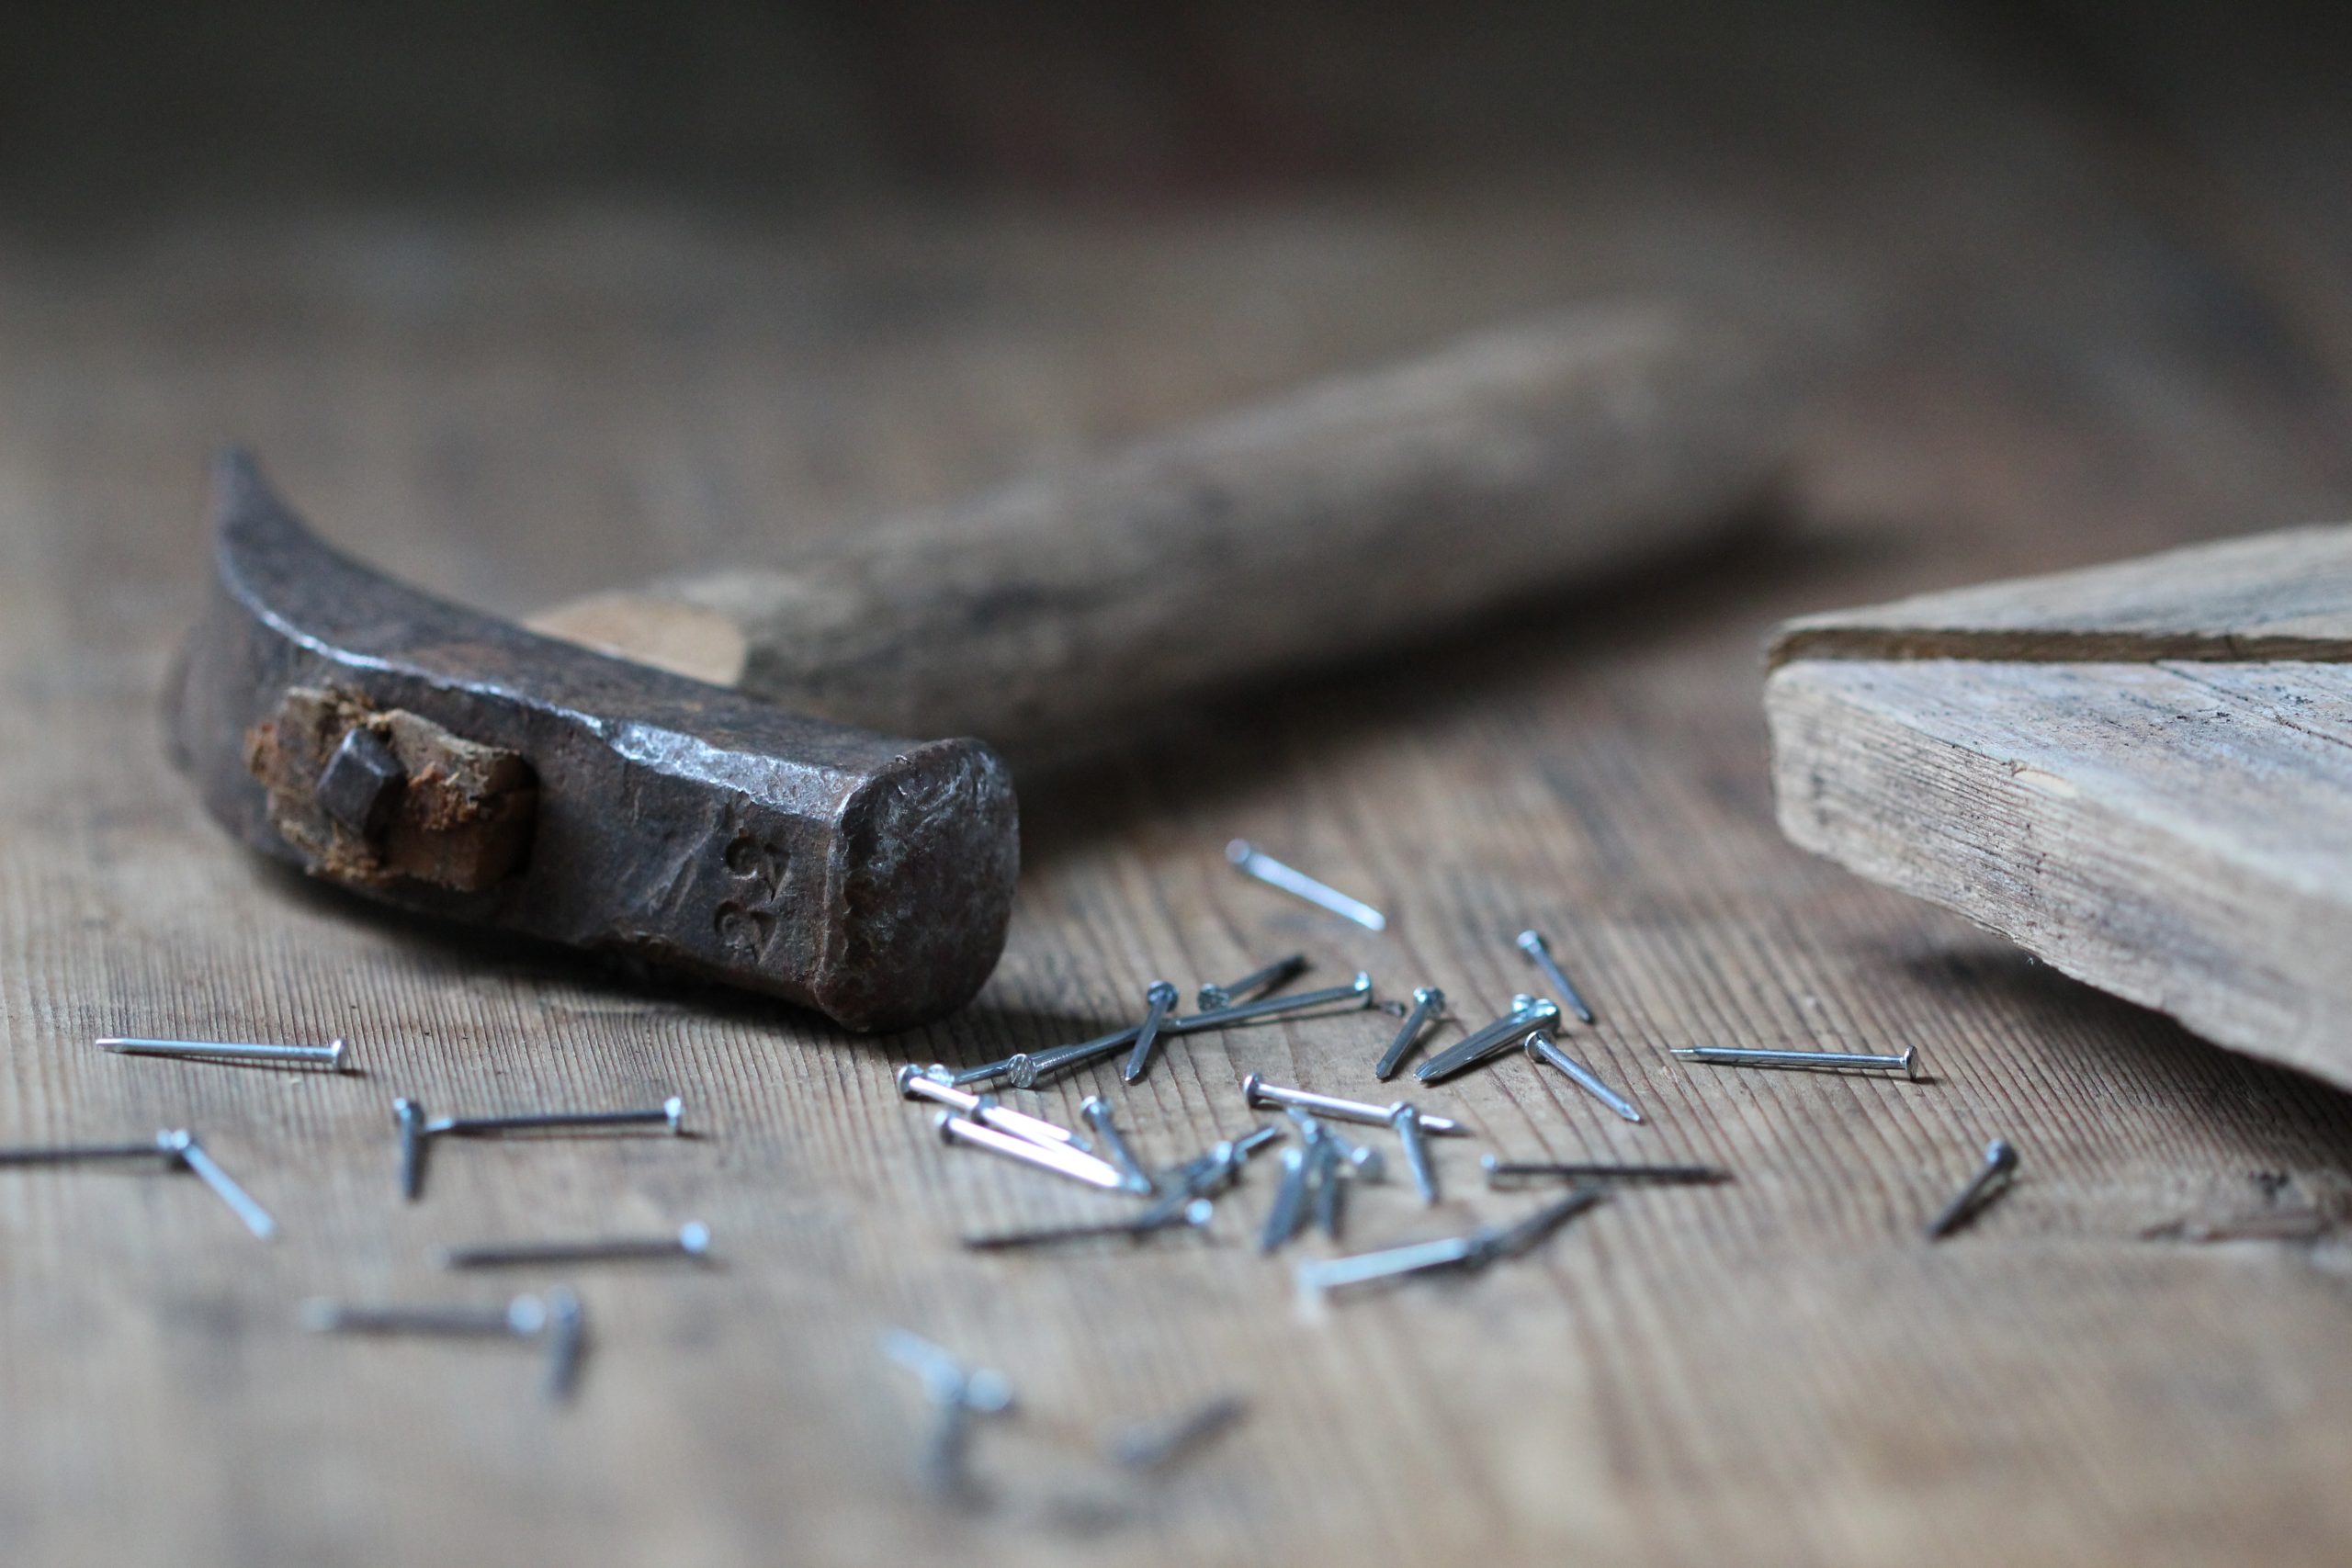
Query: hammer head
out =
(449, 763)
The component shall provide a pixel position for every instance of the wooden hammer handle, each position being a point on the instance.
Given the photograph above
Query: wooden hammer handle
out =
(1318, 525)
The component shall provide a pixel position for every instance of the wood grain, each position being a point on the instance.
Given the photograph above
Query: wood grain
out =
(2178, 834)
(521, 403)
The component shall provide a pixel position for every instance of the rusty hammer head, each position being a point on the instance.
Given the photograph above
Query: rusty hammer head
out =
(450, 762)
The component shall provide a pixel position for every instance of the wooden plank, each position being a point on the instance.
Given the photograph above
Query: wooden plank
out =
(2180, 835)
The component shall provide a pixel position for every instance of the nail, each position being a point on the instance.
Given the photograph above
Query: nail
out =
(1827, 1061)
(1156, 1446)
(1206, 1174)
(1257, 982)
(1026, 1070)
(411, 1118)
(956, 1395)
(670, 1113)
(1541, 1045)
(1498, 1171)
(1330, 1191)
(522, 1318)
(567, 1344)
(1510, 1241)
(1492, 1041)
(1427, 1003)
(1194, 1212)
(1061, 1159)
(1250, 860)
(75, 1154)
(917, 1085)
(1408, 1122)
(328, 1055)
(1097, 1112)
(1290, 1202)
(2000, 1163)
(1258, 1091)
(1539, 952)
(1321, 1275)
(182, 1146)
(693, 1240)
(1159, 997)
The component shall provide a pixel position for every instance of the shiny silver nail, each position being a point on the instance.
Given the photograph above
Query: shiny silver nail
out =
(1539, 952)
(670, 1114)
(329, 1055)
(1250, 860)
(1429, 1004)
(1097, 1112)
(1526, 1012)
(1821, 1061)
(915, 1084)
(1993, 1178)
(1258, 1091)
(1027, 1069)
(1257, 982)
(1158, 997)
(1407, 1120)
(691, 1241)
(182, 1146)
(1544, 1048)
(1060, 1158)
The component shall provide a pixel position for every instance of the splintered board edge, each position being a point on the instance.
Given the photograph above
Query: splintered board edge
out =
(2179, 834)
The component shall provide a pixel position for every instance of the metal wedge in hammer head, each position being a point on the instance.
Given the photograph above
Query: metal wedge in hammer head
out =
(448, 761)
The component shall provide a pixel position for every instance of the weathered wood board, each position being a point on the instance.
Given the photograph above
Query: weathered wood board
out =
(515, 402)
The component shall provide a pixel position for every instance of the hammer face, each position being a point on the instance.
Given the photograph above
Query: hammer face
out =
(449, 763)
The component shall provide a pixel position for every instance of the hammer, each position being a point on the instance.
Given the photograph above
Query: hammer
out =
(719, 791)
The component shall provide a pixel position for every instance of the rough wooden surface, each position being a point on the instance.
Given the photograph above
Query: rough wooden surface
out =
(2179, 834)
(1307, 529)
(2283, 595)
(2085, 350)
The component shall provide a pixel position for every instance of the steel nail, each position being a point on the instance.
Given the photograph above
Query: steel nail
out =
(567, 1344)
(1159, 997)
(75, 1154)
(1290, 1201)
(1490, 1042)
(522, 1318)
(1061, 1159)
(1539, 952)
(915, 1084)
(410, 1118)
(1257, 982)
(1824, 1061)
(2000, 1164)
(1097, 1112)
(1541, 1045)
(1192, 1212)
(329, 1055)
(181, 1145)
(692, 1241)
(1157, 1446)
(1407, 1119)
(1429, 1002)
(1498, 1171)
(1250, 860)
(670, 1113)
(1258, 1091)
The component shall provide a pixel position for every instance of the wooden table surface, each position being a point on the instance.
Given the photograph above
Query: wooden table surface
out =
(2072, 335)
